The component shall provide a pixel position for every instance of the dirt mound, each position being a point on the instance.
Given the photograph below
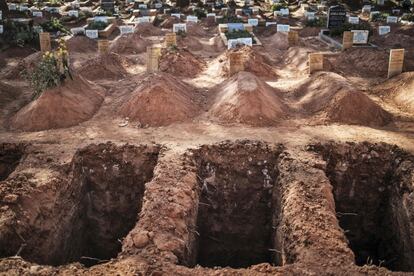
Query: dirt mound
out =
(194, 29)
(148, 29)
(244, 98)
(253, 61)
(129, 44)
(331, 95)
(191, 43)
(81, 44)
(354, 107)
(109, 67)
(361, 62)
(160, 100)
(309, 31)
(400, 90)
(75, 101)
(8, 93)
(27, 63)
(169, 22)
(279, 41)
(181, 63)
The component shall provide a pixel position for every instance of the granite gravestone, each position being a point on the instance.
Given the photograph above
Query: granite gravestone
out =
(336, 16)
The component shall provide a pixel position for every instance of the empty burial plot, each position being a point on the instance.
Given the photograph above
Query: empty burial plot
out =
(93, 211)
(111, 183)
(373, 187)
(10, 155)
(238, 204)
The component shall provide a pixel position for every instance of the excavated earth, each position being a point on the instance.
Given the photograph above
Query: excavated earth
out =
(241, 208)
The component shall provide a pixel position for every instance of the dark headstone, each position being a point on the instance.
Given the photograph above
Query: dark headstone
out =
(108, 5)
(182, 3)
(336, 16)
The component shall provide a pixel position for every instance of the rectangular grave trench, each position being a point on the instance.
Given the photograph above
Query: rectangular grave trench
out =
(10, 156)
(370, 210)
(97, 209)
(238, 207)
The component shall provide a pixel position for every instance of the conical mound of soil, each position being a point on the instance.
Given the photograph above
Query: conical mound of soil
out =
(354, 107)
(314, 93)
(74, 102)
(106, 67)
(129, 44)
(148, 29)
(169, 22)
(159, 101)
(279, 41)
(194, 29)
(81, 44)
(8, 93)
(190, 43)
(244, 98)
(181, 63)
(253, 62)
(400, 90)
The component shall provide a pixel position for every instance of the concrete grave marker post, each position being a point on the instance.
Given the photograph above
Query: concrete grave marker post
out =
(396, 62)
(171, 39)
(293, 38)
(103, 46)
(45, 44)
(315, 62)
(236, 63)
(153, 56)
(347, 40)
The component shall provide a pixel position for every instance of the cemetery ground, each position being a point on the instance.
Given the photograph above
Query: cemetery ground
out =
(196, 159)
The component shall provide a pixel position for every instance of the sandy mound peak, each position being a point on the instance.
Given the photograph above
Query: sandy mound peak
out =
(244, 98)
(129, 44)
(148, 29)
(106, 67)
(160, 100)
(253, 61)
(400, 89)
(81, 44)
(169, 22)
(354, 107)
(181, 62)
(73, 102)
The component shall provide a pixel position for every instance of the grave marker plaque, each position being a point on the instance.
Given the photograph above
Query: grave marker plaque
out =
(392, 19)
(353, 20)
(293, 38)
(44, 39)
(1, 29)
(180, 28)
(360, 36)
(153, 54)
(336, 16)
(171, 39)
(315, 62)
(396, 62)
(236, 63)
(103, 46)
(92, 34)
(383, 30)
(347, 40)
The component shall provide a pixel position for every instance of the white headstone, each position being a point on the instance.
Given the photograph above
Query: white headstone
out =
(284, 12)
(383, 30)
(92, 34)
(158, 5)
(73, 13)
(353, 20)
(392, 19)
(253, 21)
(360, 36)
(142, 6)
(179, 27)
(103, 19)
(232, 43)
(1, 15)
(23, 8)
(37, 14)
(142, 19)
(77, 31)
(12, 7)
(178, 15)
(366, 8)
(126, 29)
(283, 28)
(1, 29)
(270, 23)
(191, 18)
(310, 16)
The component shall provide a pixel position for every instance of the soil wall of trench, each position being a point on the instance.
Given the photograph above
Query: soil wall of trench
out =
(242, 207)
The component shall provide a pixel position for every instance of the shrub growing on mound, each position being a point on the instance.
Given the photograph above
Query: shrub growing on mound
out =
(54, 25)
(318, 22)
(279, 6)
(17, 33)
(408, 17)
(97, 25)
(50, 72)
